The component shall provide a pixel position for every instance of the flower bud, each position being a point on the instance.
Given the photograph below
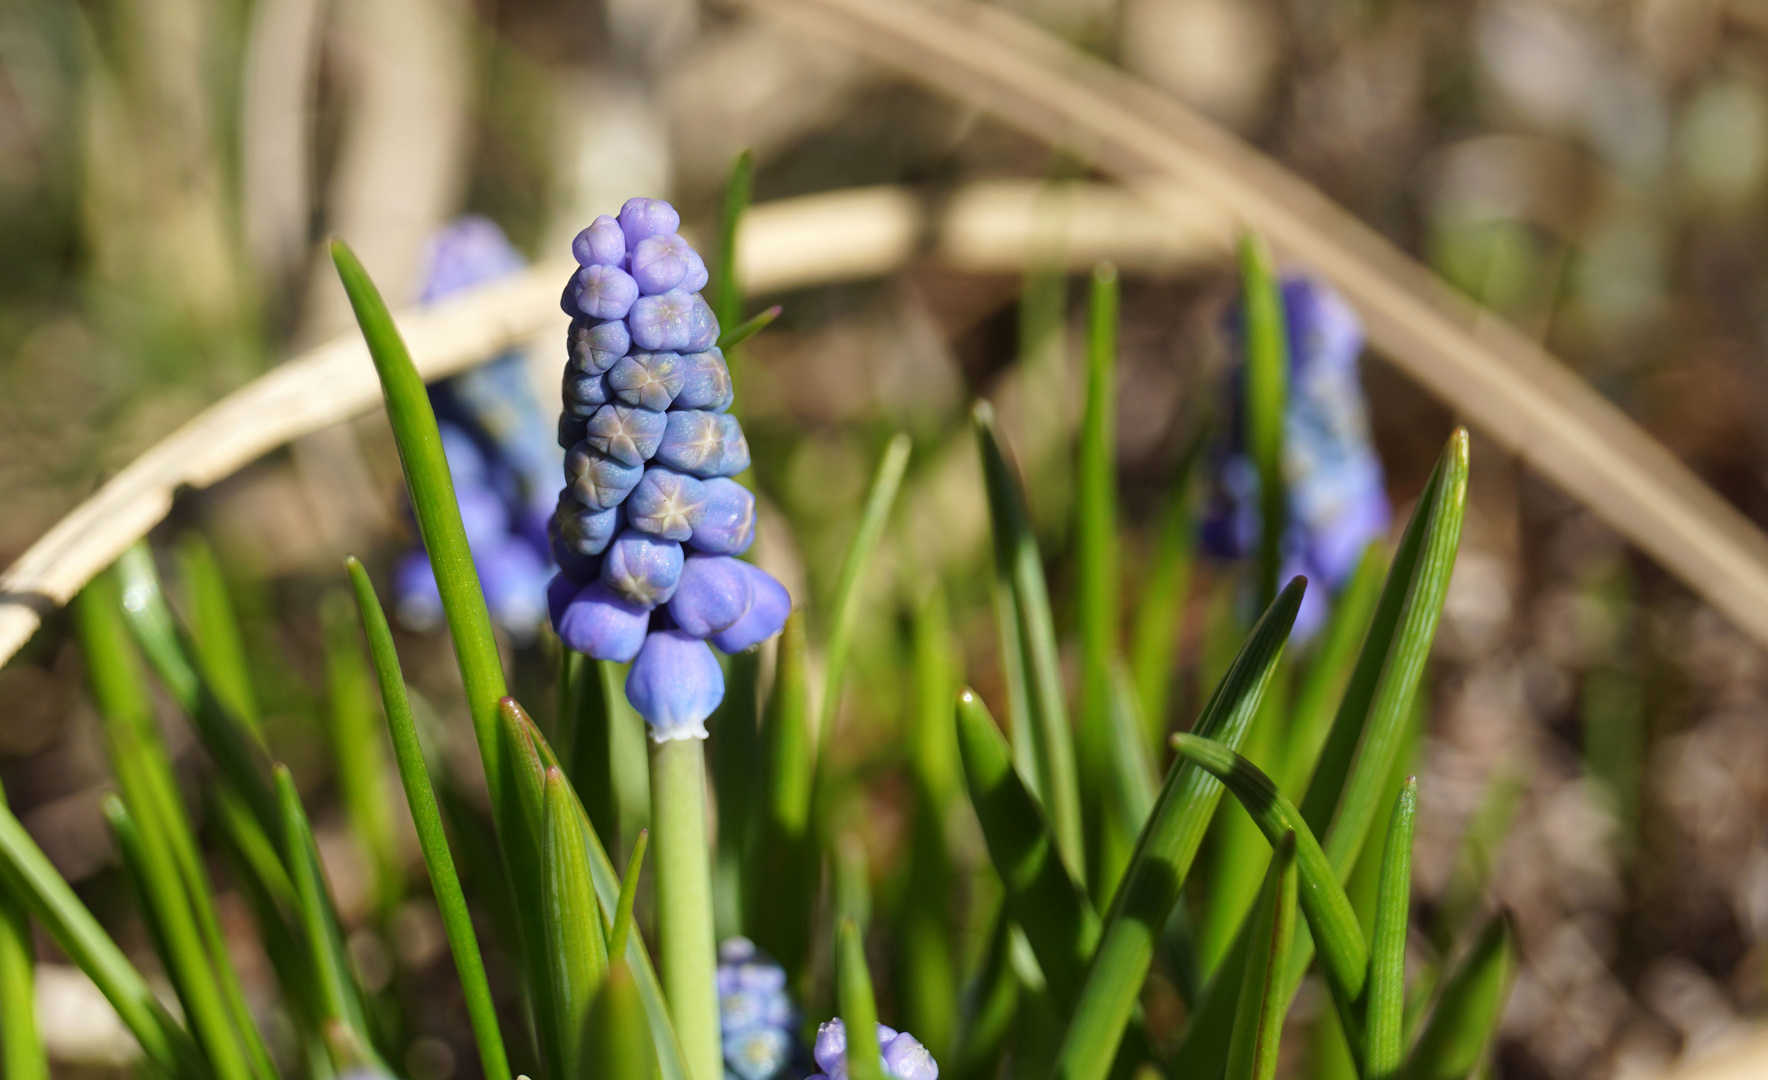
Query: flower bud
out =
(662, 263)
(602, 243)
(572, 430)
(594, 346)
(769, 605)
(675, 684)
(715, 592)
(676, 321)
(650, 380)
(727, 519)
(641, 219)
(904, 1056)
(645, 569)
(706, 381)
(598, 481)
(666, 503)
(626, 433)
(599, 622)
(584, 529)
(584, 394)
(605, 292)
(706, 444)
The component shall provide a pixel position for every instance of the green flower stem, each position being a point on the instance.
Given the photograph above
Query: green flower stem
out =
(685, 951)
(457, 920)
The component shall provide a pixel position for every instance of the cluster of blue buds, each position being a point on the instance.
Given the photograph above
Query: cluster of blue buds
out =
(503, 465)
(755, 1014)
(904, 1056)
(1337, 492)
(650, 524)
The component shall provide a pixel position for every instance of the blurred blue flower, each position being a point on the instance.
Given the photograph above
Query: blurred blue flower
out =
(1336, 490)
(755, 1013)
(904, 1056)
(651, 451)
(495, 438)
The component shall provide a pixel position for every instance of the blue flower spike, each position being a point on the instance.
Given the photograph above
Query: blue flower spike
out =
(647, 527)
(755, 1013)
(498, 449)
(904, 1056)
(1337, 494)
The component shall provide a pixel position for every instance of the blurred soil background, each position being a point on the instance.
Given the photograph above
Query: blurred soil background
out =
(1594, 170)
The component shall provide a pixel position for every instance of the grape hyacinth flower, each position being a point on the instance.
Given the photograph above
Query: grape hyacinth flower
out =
(904, 1056)
(1337, 493)
(755, 1014)
(647, 530)
(499, 456)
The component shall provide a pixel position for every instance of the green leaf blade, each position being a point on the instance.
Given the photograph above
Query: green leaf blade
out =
(859, 1010)
(1332, 920)
(1264, 999)
(572, 917)
(1164, 853)
(1467, 1011)
(1042, 897)
(1387, 947)
(457, 919)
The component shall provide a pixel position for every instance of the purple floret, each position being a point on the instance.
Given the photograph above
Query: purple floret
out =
(676, 321)
(605, 292)
(601, 243)
(675, 684)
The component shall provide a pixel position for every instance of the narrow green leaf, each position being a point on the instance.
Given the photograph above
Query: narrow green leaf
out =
(1264, 999)
(736, 753)
(438, 515)
(736, 335)
(524, 858)
(149, 861)
(514, 722)
(29, 875)
(929, 966)
(1266, 345)
(727, 290)
(1355, 764)
(143, 767)
(1096, 586)
(357, 750)
(993, 999)
(1484, 835)
(214, 630)
(686, 953)
(1343, 952)
(1019, 571)
(1154, 638)
(784, 886)
(457, 919)
(622, 926)
(234, 747)
(1042, 897)
(1329, 671)
(318, 915)
(1387, 945)
(1468, 1010)
(848, 595)
(852, 873)
(1164, 853)
(21, 1044)
(859, 1011)
(617, 1043)
(575, 941)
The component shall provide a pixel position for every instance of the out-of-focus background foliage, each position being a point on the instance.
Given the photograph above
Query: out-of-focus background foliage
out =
(1595, 171)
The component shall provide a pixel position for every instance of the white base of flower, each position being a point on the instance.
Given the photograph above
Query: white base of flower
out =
(696, 731)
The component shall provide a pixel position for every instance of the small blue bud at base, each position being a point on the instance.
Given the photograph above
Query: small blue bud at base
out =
(675, 684)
